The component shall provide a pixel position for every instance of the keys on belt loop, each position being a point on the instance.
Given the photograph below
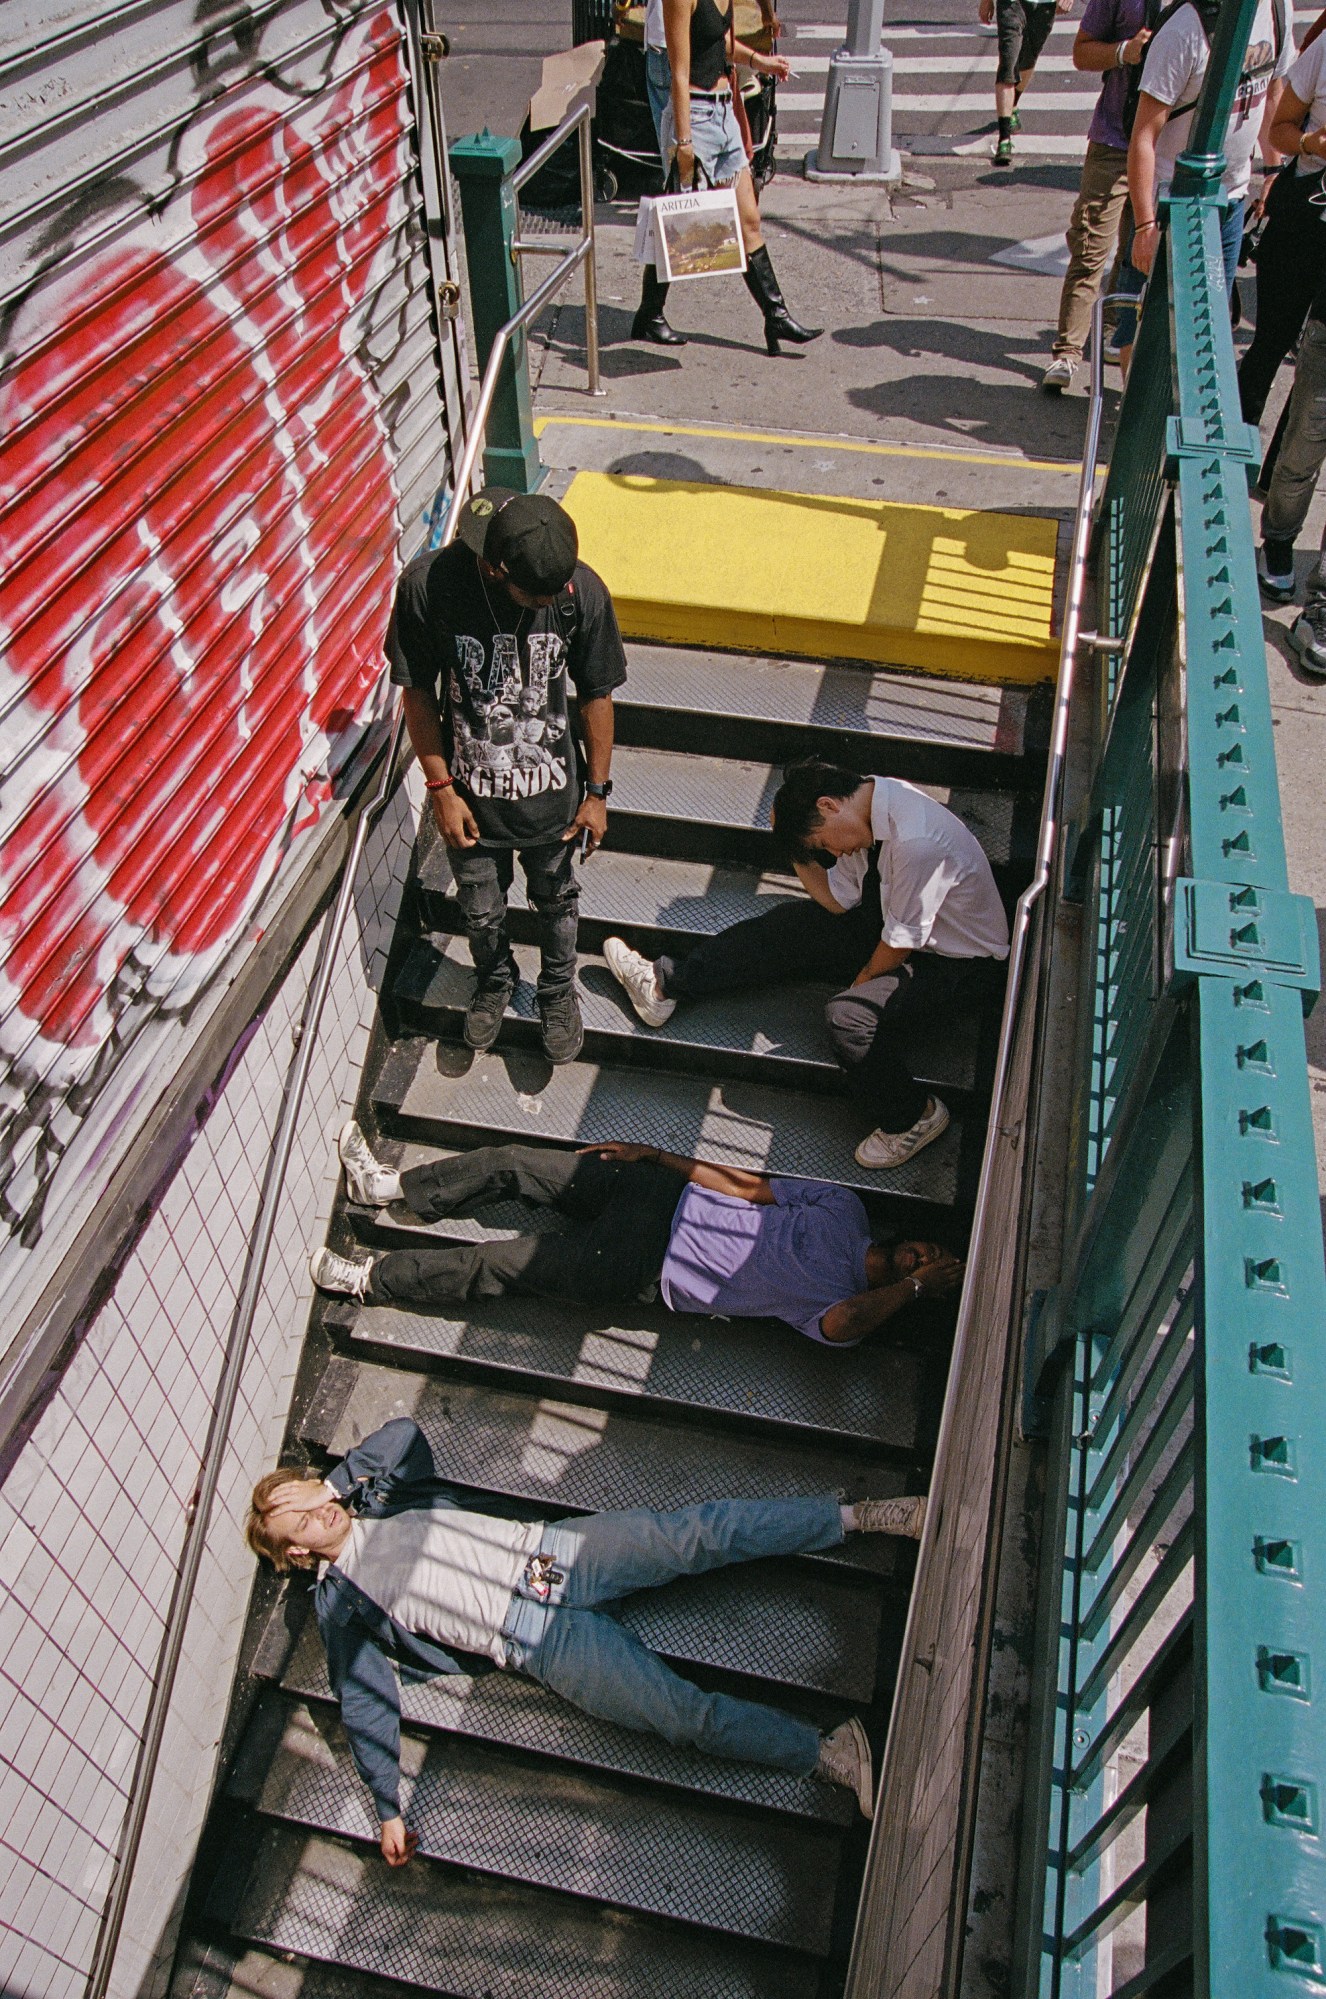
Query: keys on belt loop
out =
(542, 1576)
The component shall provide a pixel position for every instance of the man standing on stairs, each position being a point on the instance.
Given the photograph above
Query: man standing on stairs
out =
(712, 1239)
(483, 639)
(406, 1572)
(863, 848)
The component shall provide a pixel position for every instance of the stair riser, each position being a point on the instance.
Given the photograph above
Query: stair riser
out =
(760, 741)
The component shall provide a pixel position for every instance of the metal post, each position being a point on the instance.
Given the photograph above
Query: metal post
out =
(1199, 167)
(856, 133)
(483, 166)
(591, 273)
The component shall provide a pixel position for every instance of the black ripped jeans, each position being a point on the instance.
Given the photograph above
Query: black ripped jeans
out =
(484, 874)
(623, 1213)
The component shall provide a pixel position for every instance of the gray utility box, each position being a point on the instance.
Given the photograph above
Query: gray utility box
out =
(856, 134)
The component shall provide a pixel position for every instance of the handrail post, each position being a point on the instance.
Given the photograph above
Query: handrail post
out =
(483, 165)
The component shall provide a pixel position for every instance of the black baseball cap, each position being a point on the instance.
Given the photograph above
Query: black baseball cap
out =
(526, 534)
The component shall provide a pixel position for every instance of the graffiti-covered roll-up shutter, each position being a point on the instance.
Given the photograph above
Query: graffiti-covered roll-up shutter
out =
(223, 420)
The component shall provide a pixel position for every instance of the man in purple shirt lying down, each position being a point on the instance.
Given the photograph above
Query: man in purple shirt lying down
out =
(710, 1239)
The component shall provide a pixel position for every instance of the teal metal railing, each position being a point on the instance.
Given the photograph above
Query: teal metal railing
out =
(1175, 1810)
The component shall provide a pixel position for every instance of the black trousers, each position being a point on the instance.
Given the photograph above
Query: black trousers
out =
(623, 1214)
(868, 1027)
(1291, 262)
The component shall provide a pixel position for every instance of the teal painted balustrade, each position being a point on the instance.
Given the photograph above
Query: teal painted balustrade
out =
(1176, 1812)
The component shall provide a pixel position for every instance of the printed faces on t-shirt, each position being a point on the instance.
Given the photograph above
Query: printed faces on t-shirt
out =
(509, 730)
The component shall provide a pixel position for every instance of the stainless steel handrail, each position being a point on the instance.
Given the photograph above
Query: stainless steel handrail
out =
(575, 121)
(1070, 643)
(241, 1332)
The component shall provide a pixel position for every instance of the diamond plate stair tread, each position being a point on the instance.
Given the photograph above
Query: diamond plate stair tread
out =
(471, 1939)
(753, 1368)
(724, 792)
(852, 699)
(574, 1457)
(813, 1624)
(516, 1713)
(768, 1880)
(514, 1094)
(783, 1026)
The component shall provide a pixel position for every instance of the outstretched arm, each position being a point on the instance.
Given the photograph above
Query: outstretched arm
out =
(363, 1682)
(732, 1180)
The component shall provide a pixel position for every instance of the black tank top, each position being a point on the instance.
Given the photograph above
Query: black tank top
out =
(709, 31)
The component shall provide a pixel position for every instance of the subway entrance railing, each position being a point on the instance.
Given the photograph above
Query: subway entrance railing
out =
(1174, 1809)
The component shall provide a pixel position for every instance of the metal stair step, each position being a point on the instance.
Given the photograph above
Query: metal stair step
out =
(482, 1939)
(769, 1880)
(814, 1623)
(755, 1369)
(915, 726)
(660, 902)
(717, 808)
(516, 1096)
(777, 1035)
(574, 1457)
(518, 1714)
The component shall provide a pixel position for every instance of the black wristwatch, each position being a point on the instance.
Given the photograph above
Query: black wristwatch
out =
(603, 790)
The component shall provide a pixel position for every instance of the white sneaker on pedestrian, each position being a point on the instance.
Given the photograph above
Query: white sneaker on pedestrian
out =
(890, 1516)
(894, 1148)
(845, 1759)
(340, 1274)
(1059, 375)
(1275, 571)
(638, 978)
(367, 1180)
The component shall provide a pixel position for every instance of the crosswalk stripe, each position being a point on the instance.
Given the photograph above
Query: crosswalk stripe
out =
(945, 103)
(937, 65)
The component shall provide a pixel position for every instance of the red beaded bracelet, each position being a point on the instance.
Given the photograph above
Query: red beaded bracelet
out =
(438, 783)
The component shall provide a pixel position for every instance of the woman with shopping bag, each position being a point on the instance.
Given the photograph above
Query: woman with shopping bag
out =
(701, 139)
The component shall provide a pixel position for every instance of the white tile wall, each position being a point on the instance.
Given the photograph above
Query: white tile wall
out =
(92, 1513)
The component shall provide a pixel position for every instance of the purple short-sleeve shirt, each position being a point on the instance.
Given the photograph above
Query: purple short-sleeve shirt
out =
(1111, 21)
(788, 1259)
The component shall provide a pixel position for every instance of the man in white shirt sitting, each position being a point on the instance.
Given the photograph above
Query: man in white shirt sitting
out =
(935, 935)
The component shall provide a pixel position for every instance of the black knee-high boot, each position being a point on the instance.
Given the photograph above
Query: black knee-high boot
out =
(778, 321)
(649, 323)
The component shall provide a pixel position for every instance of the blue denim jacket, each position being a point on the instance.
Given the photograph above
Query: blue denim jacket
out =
(390, 1472)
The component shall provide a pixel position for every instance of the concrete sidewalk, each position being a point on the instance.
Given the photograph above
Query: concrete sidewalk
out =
(923, 389)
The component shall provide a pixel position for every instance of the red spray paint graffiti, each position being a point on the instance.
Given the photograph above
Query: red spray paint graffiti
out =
(200, 556)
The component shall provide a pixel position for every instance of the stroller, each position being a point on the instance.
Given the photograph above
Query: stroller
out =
(625, 150)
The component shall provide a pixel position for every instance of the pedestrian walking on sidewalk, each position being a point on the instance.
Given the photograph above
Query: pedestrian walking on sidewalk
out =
(1294, 482)
(700, 135)
(1112, 41)
(484, 637)
(1024, 28)
(412, 1574)
(1292, 250)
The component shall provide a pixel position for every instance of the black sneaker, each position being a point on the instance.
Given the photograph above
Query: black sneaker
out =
(1275, 570)
(563, 1029)
(1307, 635)
(483, 1016)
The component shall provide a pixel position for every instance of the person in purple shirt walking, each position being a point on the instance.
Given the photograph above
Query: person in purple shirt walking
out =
(711, 1239)
(1112, 38)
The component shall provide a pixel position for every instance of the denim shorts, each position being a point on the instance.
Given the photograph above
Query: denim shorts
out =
(715, 135)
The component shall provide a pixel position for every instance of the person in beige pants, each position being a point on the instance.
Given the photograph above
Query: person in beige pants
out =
(1111, 40)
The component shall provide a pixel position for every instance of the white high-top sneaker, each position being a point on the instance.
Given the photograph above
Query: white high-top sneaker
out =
(894, 1148)
(367, 1180)
(890, 1516)
(340, 1274)
(638, 978)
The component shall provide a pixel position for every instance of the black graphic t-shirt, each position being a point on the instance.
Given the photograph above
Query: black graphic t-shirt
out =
(499, 674)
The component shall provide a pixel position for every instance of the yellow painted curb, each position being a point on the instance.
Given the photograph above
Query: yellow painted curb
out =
(948, 590)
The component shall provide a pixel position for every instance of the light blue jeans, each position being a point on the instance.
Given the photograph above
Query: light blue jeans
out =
(1131, 280)
(582, 1653)
(658, 87)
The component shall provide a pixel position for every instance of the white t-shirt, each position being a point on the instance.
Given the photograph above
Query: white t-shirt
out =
(1175, 64)
(1307, 80)
(446, 1574)
(936, 890)
(655, 38)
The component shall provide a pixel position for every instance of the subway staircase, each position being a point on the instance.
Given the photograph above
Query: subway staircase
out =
(559, 1857)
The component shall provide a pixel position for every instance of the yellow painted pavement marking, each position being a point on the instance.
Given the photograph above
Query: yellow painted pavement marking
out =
(949, 590)
(1006, 459)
